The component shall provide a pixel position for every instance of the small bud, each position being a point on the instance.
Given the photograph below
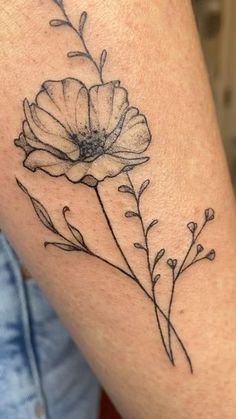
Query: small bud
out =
(192, 226)
(200, 248)
(172, 263)
(159, 255)
(209, 214)
(211, 255)
(139, 246)
(83, 18)
(129, 214)
(156, 278)
(58, 22)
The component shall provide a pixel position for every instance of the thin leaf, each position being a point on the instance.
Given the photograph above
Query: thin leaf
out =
(103, 58)
(158, 256)
(82, 21)
(130, 214)
(144, 186)
(22, 187)
(57, 22)
(75, 232)
(140, 246)
(43, 215)
(72, 54)
(156, 278)
(62, 246)
(152, 224)
(77, 235)
(126, 189)
(40, 210)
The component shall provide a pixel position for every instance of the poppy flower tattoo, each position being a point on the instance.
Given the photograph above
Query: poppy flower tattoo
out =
(86, 135)
(89, 134)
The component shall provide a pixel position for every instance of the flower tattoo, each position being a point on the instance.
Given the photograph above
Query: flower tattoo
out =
(89, 134)
(86, 135)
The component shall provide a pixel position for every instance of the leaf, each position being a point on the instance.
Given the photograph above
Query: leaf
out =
(158, 256)
(75, 232)
(58, 22)
(139, 246)
(143, 187)
(156, 278)
(62, 246)
(130, 214)
(103, 58)
(152, 224)
(126, 189)
(77, 235)
(72, 54)
(22, 187)
(82, 21)
(42, 214)
(40, 210)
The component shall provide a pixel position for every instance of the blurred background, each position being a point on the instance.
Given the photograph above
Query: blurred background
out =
(216, 21)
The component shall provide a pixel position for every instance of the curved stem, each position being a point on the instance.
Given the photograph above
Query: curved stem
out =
(169, 314)
(80, 35)
(150, 269)
(174, 279)
(150, 297)
(193, 241)
(112, 232)
(192, 263)
(157, 307)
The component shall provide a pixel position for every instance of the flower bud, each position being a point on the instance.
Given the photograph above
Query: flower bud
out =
(209, 214)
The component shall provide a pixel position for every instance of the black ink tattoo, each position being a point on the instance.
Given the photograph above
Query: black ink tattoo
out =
(88, 135)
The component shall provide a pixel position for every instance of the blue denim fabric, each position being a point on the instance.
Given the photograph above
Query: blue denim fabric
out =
(42, 373)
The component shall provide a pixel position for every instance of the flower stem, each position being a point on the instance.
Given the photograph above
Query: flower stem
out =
(113, 233)
(149, 269)
(169, 315)
(81, 37)
(135, 279)
(193, 241)
(181, 269)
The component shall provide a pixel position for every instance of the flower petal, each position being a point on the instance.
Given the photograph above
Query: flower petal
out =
(107, 105)
(104, 166)
(135, 136)
(67, 101)
(28, 142)
(22, 142)
(49, 130)
(41, 159)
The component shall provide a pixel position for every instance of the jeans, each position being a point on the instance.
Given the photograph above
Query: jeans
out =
(42, 372)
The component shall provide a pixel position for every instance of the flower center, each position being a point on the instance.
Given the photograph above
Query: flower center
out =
(91, 144)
